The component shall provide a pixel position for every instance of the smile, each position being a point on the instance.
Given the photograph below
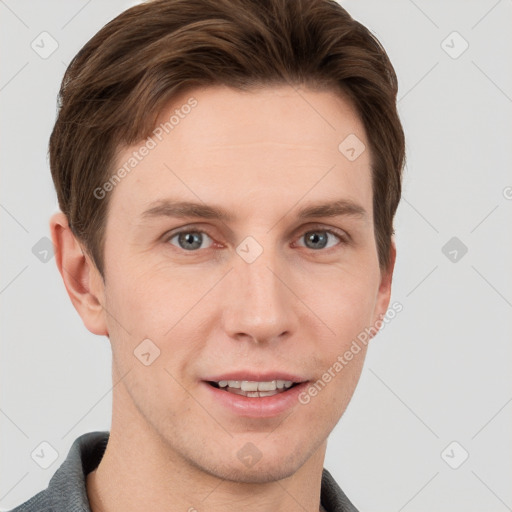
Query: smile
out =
(254, 389)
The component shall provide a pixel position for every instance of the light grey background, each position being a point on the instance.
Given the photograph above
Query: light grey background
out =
(439, 372)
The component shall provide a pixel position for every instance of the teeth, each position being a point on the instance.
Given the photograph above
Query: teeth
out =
(249, 385)
(268, 393)
(252, 386)
(267, 386)
(254, 394)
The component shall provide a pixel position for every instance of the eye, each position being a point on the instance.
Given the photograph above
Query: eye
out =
(189, 240)
(192, 240)
(319, 238)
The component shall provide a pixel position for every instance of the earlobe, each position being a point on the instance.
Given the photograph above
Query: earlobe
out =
(79, 274)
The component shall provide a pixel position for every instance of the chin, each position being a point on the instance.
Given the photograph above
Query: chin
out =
(260, 473)
(267, 465)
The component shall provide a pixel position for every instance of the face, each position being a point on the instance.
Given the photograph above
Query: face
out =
(263, 293)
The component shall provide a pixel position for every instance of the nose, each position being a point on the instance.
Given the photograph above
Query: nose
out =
(260, 301)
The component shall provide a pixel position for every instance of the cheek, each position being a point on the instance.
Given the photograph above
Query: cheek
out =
(345, 302)
(153, 298)
(161, 304)
(325, 400)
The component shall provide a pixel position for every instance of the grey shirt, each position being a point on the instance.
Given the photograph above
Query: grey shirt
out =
(66, 491)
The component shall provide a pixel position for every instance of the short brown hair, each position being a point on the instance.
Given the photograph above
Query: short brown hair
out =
(117, 85)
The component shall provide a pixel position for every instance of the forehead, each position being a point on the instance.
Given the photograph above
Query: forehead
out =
(273, 115)
(272, 144)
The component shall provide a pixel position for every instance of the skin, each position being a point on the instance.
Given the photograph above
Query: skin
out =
(262, 155)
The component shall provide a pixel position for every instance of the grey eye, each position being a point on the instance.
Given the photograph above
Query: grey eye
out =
(318, 239)
(189, 240)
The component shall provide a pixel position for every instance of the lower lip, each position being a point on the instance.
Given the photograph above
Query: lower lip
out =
(255, 407)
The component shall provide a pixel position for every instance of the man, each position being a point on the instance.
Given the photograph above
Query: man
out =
(228, 172)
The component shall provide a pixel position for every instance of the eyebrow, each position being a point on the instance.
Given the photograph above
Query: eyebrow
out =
(185, 209)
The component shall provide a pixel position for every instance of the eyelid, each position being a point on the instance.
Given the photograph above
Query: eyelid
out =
(330, 229)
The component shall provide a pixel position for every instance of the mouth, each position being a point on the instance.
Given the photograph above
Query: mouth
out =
(254, 389)
(255, 394)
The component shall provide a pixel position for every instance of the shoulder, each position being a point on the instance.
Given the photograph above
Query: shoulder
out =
(38, 502)
(66, 490)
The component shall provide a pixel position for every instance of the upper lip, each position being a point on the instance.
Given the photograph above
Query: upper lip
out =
(251, 375)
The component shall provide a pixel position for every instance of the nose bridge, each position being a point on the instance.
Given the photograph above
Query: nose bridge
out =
(259, 276)
(259, 301)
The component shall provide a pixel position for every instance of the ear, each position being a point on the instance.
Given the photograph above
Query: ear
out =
(384, 293)
(82, 279)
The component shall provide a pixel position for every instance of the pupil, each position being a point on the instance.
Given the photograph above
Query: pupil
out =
(188, 238)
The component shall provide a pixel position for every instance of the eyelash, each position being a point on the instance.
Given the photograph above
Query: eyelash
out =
(342, 236)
